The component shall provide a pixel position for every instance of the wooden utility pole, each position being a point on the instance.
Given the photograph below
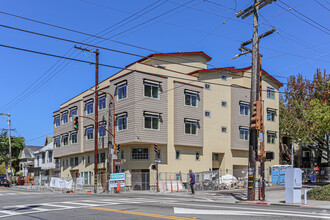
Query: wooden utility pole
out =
(255, 90)
(9, 140)
(96, 118)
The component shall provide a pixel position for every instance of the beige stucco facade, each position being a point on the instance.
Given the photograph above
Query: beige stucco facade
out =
(216, 144)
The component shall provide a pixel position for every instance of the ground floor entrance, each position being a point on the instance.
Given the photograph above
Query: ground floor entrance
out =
(140, 179)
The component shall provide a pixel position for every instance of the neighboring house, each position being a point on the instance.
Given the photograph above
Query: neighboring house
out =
(26, 159)
(199, 118)
(44, 158)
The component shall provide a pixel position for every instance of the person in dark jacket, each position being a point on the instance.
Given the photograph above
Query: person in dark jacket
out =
(192, 181)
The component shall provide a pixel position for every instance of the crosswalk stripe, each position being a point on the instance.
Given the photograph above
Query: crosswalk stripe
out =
(79, 203)
(31, 208)
(101, 202)
(9, 212)
(56, 205)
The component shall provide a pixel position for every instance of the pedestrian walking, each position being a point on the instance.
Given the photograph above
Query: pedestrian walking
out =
(192, 181)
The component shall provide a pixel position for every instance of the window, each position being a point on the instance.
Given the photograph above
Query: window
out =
(102, 131)
(271, 115)
(224, 129)
(244, 133)
(101, 158)
(197, 154)
(88, 160)
(63, 164)
(223, 76)
(57, 142)
(71, 162)
(122, 91)
(270, 93)
(89, 133)
(102, 102)
(159, 154)
(207, 114)
(215, 157)
(223, 104)
(73, 113)
(140, 153)
(122, 154)
(244, 108)
(178, 155)
(43, 157)
(67, 162)
(76, 161)
(207, 86)
(271, 137)
(306, 154)
(65, 140)
(89, 107)
(151, 90)
(65, 118)
(57, 121)
(151, 121)
(83, 160)
(190, 127)
(190, 99)
(74, 138)
(50, 156)
(37, 162)
(121, 122)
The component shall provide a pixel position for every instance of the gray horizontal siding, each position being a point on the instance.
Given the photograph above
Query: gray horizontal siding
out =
(181, 112)
(238, 95)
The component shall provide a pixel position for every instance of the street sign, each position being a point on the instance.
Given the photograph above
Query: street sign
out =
(117, 178)
(114, 157)
(157, 161)
(261, 137)
(112, 151)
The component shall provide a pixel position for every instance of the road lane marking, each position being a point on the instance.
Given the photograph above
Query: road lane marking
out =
(9, 212)
(81, 203)
(56, 205)
(140, 213)
(237, 212)
(13, 191)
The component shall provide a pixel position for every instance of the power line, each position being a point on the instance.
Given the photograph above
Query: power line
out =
(301, 18)
(303, 15)
(322, 5)
(220, 5)
(38, 137)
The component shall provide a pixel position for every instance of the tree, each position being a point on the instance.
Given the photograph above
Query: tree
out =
(17, 144)
(305, 112)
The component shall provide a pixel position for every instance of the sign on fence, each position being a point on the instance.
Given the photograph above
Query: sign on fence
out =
(60, 183)
(116, 178)
(79, 182)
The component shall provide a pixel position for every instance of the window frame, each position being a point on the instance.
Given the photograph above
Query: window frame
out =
(87, 104)
(245, 135)
(244, 105)
(199, 155)
(207, 86)
(209, 113)
(273, 115)
(65, 136)
(224, 76)
(63, 117)
(121, 116)
(191, 122)
(271, 93)
(224, 106)
(102, 129)
(152, 116)
(74, 133)
(223, 129)
(271, 140)
(119, 87)
(191, 94)
(91, 127)
(137, 148)
(59, 121)
(71, 115)
(151, 84)
(57, 143)
(105, 102)
(178, 152)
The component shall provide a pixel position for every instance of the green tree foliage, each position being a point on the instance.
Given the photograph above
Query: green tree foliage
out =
(305, 112)
(17, 144)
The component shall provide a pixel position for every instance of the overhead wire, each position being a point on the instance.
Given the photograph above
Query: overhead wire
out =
(323, 6)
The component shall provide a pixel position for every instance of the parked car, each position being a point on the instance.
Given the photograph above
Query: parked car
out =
(4, 182)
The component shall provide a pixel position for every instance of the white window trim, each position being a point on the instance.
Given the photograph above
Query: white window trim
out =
(87, 134)
(98, 133)
(191, 121)
(86, 107)
(66, 112)
(192, 93)
(120, 115)
(55, 121)
(273, 90)
(72, 139)
(70, 115)
(271, 110)
(101, 96)
(141, 148)
(117, 86)
(244, 103)
(246, 128)
(154, 114)
(151, 83)
(63, 139)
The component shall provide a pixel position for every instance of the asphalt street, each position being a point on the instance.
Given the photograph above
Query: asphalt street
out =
(23, 204)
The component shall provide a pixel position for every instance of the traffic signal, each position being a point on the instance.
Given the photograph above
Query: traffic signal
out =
(256, 114)
(118, 149)
(75, 122)
(153, 167)
(156, 148)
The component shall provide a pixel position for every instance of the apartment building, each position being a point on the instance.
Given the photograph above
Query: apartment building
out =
(199, 118)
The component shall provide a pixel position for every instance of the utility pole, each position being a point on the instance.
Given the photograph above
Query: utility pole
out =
(255, 90)
(9, 139)
(96, 104)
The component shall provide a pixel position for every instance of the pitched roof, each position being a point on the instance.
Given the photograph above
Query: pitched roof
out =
(172, 54)
(232, 69)
(28, 150)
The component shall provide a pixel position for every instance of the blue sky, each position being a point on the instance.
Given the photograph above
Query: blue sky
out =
(33, 86)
